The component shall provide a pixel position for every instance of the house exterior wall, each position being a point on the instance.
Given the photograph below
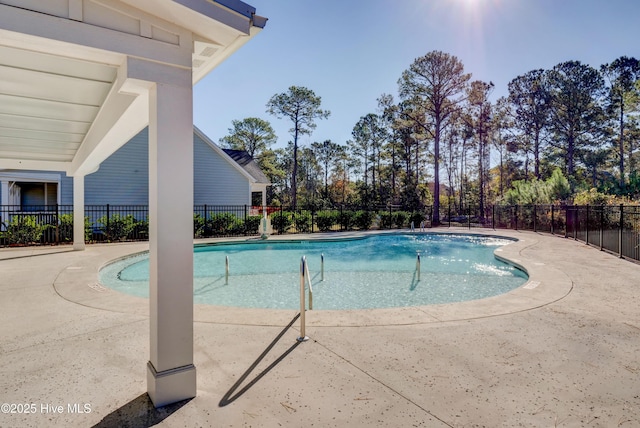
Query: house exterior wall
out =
(66, 190)
(218, 182)
(123, 178)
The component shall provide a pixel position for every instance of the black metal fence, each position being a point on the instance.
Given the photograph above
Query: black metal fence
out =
(612, 228)
(53, 224)
(29, 225)
(343, 218)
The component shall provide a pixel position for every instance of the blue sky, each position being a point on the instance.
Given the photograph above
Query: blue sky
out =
(349, 52)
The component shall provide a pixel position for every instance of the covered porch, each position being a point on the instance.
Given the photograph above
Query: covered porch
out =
(78, 79)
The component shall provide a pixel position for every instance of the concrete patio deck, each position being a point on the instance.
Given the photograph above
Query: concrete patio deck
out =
(562, 351)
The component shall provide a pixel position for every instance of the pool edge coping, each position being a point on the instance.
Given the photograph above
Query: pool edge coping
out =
(546, 285)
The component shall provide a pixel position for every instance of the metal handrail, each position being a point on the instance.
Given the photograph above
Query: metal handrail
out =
(226, 270)
(418, 266)
(303, 271)
(306, 267)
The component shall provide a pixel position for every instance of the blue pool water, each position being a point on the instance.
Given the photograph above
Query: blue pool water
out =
(378, 271)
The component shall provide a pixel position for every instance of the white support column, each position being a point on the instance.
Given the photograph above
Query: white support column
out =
(171, 375)
(78, 212)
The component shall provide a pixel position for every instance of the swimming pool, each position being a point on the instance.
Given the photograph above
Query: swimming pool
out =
(377, 271)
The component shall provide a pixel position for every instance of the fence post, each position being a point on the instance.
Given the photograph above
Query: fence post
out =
(535, 214)
(108, 231)
(516, 216)
(493, 217)
(552, 219)
(576, 218)
(586, 236)
(57, 224)
(566, 221)
(469, 217)
(601, 225)
(620, 231)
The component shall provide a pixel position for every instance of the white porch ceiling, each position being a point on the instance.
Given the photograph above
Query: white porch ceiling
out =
(48, 103)
(65, 103)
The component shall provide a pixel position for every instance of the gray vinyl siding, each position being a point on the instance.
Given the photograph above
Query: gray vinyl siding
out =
(66, 190)
(217, 181)
(123, 178)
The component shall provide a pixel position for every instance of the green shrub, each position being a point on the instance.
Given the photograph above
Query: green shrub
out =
(537, 192)
(281, 221)
(65, 228)
(417, 217)
(347, 219)
(591, 197)
(140, 230)
(198, 226)
(224, 224)
(237, 227)
(121, 227)
(363, 219)
(326, 220)
(386, 220)
(401, 219)
(302, 221)
(24, 230)
(253, 223)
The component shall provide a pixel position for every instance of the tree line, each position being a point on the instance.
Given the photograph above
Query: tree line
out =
(573, 127)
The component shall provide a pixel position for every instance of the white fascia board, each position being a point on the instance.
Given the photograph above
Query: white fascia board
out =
(238, 6)
(65, 37)
(198, 16)
(222, 154)
(227, 27)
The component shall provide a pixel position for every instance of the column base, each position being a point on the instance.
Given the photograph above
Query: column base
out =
(79, 246)
(171, 386)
